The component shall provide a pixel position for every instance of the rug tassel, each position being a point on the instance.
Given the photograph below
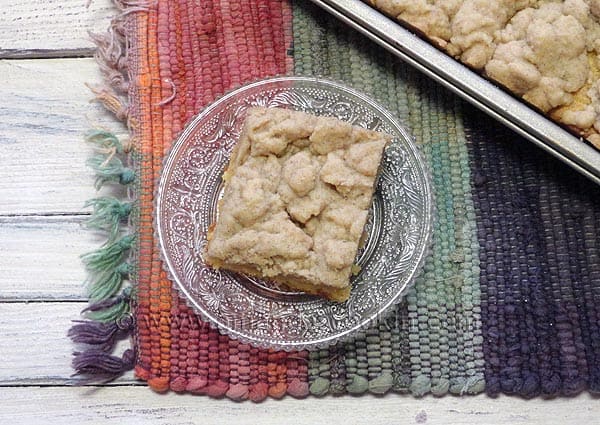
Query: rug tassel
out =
(111, 309)
(111, 59)
(101, 335)
(101, 365)
(108, 214)
(108, 316)
(101, 338)
(112, 313)
(104, 285)
(109, 256)
(106, 163)
(110, 169)
(111, 101)
(105, 141)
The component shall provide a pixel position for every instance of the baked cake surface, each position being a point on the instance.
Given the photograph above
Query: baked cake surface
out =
(297, 192)
(545, 51)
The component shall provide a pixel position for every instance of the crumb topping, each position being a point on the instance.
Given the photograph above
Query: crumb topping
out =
(545, 51)
(297, 196)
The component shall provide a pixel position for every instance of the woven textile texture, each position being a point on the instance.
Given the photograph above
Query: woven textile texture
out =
(509, 299)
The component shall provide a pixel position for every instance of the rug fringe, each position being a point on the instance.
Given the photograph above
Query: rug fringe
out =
(109, 310)
(108, 215)
(104, 285)
(99, 365)
(108, 314)
(109, 256)
(111, 101)
(108, 162)
(100, 335)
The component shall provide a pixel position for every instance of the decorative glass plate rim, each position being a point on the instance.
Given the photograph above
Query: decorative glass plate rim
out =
(402, 139)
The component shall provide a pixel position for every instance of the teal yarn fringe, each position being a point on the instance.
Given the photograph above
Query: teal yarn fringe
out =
(110, 168)
(108, 257)
(108, 215)
(109, 307)
(107, 163)
(110, 314)
(105, 141)
(107, 283)
(106, 266)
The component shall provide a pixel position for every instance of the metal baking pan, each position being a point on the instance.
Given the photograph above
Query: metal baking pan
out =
(467, 84)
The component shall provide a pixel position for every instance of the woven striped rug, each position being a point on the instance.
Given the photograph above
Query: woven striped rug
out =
(509, 300)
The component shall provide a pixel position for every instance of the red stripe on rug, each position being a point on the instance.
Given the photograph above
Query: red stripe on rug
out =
(200, 50)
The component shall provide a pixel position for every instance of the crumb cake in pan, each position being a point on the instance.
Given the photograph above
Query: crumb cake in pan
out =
(545, 51)
(296, 196)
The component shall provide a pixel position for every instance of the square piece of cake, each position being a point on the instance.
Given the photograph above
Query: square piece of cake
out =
(297, 192)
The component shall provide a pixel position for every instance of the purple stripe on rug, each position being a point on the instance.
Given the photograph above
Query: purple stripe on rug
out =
(538, 226)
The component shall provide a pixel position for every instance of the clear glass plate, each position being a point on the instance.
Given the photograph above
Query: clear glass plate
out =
(398, 230)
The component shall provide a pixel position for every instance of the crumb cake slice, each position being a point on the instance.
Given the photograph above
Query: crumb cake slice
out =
(297, 192)
(545, 51)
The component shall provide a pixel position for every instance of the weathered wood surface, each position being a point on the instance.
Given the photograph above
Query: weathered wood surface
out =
(35, 349)
(45, 110)
(50, 28)
(137, 405)
(40, 257)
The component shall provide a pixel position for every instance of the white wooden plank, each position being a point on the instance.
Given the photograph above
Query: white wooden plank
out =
(51, 28)
(39, 257)
(138, 405)
(45, 110)
(35, 352)
(34, 347)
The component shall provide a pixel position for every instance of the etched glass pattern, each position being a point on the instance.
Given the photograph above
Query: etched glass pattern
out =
(398, 229)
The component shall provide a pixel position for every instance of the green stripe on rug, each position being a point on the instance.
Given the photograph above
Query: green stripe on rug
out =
(432, 343)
